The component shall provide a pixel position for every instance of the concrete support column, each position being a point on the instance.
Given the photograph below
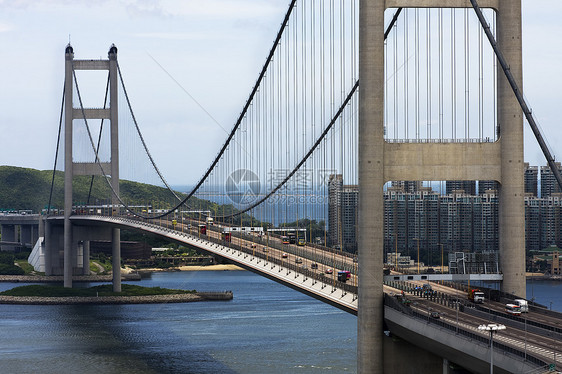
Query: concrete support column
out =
(41, 227)
(510, 122)
(26, 235)
(116, 258)
(371, 181)
(116, 233)
(8, 235)
(48, 248)
(86, 257)
(68, 169)
(446, 369)
(34, 233)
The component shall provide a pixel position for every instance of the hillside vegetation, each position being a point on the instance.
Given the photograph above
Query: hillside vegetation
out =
(22, 188)
(29, 189)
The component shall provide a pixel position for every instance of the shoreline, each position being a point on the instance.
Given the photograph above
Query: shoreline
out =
(127, 274)
(543, 277)
(220, 267)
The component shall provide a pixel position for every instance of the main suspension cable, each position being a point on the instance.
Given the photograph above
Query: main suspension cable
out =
(57, 151)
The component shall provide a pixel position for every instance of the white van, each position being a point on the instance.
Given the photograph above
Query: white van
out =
(522, 304)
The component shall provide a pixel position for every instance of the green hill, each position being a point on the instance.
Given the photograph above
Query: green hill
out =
(29, 189)
(22, 188)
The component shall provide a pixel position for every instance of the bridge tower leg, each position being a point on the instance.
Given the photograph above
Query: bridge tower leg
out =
(371, 181)
(68, 164)
(92, 168)
(510, 119)
(380, 161)
(115, 232)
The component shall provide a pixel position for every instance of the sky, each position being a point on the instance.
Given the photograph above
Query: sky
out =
(189, 66)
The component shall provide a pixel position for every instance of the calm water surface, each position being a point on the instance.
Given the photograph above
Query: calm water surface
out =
(267, 328)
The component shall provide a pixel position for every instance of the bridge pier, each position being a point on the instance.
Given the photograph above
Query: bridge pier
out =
(116, 258)
(8, 235)
(371, 182)
(81, 237)
(446, 369)
(380, 162)
(86, 257)
(71, 168)
(510, 121)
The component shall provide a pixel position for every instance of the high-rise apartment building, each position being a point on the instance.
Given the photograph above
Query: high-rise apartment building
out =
(408, 186)
(349, 204)
(543, 223)
(335, 186)
(455, 222)
(548, 182)
(342, 213)
(531, 179)
(469, 187)
(484, 186)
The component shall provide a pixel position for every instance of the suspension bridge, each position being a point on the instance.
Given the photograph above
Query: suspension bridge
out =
(352, 95)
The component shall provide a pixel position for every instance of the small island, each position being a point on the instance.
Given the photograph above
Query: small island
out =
(15, 268)
(103, 294)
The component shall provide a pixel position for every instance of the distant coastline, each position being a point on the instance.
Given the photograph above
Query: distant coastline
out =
(545, 277)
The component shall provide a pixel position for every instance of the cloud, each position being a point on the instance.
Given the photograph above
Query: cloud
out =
(46, 4)
(215, 9)
(171, 35)
(5, 27)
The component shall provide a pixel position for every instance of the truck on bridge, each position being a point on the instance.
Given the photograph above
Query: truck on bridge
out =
(476, 296)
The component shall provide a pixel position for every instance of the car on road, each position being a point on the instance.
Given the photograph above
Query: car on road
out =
(298, 260)
(329, 271)
(435, 315)
(284, 255)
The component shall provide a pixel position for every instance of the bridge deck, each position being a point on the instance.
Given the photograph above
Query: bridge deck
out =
(456, 339)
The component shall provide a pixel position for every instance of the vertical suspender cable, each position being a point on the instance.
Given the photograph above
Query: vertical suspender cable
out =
(518, 94)
(440, 20)
(417, 73)
(395, 78)
(467, 75)
(480, 84)
(453, 76)
(428, 81)
(56, 151)
(99, 139)
(406, 73)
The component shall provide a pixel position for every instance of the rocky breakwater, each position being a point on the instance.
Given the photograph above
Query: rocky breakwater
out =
(60, 278)
(149, 299)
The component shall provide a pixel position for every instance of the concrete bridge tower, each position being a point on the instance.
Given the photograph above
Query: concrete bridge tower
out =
(380, 161)
(75, 115)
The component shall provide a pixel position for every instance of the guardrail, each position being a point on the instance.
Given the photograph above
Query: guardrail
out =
(394, 304)
(320, 277)
(520, 320)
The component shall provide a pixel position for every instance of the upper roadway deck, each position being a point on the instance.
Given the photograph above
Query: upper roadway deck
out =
(529, 342)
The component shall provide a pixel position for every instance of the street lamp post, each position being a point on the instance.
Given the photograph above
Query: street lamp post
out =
(491, 327)
(396, 251)
(418, 240)
(442, 269)
(525, 336)
(458, 307)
